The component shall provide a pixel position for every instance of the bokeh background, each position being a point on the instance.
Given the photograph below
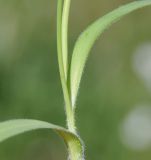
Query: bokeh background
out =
(114, 105)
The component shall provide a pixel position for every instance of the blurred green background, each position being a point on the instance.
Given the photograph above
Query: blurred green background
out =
(114, 105)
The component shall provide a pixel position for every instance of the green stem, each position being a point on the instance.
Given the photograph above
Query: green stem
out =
(68, 107)
(75, 148)
(75, 151)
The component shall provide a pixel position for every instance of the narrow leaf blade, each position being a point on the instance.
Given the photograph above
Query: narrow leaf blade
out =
(15, 127)
(87, 39)
(65, 19)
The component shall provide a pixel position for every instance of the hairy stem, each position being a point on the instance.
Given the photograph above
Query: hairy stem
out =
(69, 112)
(75, 149)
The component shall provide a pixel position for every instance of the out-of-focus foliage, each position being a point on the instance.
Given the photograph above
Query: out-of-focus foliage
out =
(109, 97)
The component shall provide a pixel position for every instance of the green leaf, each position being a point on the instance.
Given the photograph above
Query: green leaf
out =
(86, 40)
(14, 127)
(59, 40)
(65, 21)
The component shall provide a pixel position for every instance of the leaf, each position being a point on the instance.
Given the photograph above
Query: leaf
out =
(59, 40)
(59, 32)
(65, 20)
(87, 39)
(14, 127)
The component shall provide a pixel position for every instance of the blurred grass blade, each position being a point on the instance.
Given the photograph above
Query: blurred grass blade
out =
(14, 127)
(89, 36)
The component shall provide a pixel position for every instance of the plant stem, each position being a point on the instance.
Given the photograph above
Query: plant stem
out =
(74, 147)
(68, 107)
